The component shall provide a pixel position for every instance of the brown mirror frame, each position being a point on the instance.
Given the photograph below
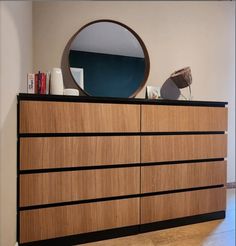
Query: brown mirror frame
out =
(69, 81)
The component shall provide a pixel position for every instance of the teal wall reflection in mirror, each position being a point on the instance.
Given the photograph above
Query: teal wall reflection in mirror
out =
(114, 59)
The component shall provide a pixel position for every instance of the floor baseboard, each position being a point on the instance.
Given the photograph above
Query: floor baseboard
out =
(231, 185)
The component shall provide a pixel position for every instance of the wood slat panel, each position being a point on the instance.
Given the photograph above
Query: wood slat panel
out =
(57, 152)
(183, 147)
(177, 205)
(182, 176)
(183, 118)
(69, 117)
(54, 222)
(78, 185)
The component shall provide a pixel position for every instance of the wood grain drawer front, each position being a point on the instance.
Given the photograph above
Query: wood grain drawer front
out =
(55, 222)
(78, 185)
(69, 117)
(158, 118)
(58, 152)
(182, 176)
(183, 147)
(177, 205)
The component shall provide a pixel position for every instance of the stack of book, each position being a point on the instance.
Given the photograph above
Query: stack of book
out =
(38, 83)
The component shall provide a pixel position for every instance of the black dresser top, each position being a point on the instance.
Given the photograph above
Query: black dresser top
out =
(61, 98)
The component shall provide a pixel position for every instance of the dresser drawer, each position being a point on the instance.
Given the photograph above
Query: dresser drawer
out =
(58, 152)
(78, 185)
(182, 176)
(158, 118)
(183, 147)
(46, 223)
(183, 204)
(70, 117)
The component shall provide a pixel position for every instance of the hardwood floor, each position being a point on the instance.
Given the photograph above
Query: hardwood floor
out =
(212, 233)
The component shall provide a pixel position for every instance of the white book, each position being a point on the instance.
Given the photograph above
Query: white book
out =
(30, 83)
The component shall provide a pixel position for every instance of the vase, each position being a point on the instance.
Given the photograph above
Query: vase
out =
(56, 83)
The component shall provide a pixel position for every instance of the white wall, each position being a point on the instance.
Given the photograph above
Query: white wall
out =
(16, 61)
(199, 34)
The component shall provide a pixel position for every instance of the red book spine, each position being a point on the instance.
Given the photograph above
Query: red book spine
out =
(43, 83)
(36, 83)
(39, 82)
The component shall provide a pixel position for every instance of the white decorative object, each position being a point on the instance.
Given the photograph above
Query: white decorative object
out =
(78, 75)
(153, 92)
(56, 83)
(71, 92)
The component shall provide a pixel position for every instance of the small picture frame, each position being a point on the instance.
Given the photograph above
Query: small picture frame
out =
(153, 92)
(78, 75)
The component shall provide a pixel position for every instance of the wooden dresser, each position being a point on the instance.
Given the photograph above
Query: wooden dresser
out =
(96, 168)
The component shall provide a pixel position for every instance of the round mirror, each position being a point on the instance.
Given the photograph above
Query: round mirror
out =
(108, 59)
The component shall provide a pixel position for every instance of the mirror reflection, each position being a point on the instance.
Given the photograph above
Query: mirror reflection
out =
(107, 59)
